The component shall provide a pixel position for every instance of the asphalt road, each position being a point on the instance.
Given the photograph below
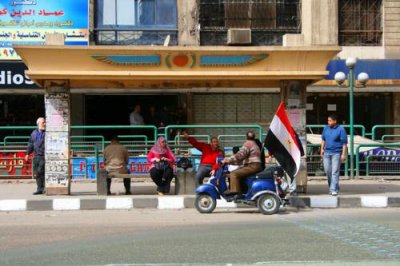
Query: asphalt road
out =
(316, 237)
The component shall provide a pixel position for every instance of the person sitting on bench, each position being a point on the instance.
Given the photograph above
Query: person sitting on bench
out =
(115, 162)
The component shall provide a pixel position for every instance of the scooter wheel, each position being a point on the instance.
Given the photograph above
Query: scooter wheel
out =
(204, 203)
(268, 204)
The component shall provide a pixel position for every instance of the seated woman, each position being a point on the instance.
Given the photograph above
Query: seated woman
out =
(162, 161)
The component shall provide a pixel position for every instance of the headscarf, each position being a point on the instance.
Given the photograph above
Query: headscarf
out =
(157, 148)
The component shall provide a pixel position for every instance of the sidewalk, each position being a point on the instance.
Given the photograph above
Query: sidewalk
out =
(17, 195)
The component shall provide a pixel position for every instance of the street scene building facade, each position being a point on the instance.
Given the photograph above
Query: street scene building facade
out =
(191, 30)
(364, 29)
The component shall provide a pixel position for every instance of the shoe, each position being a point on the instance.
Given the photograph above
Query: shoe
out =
(128, 193)
(238, 197)
(334, 193)
(38, 192)
(160, 193)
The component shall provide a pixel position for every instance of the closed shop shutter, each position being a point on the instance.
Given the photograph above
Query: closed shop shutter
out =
(255, 108)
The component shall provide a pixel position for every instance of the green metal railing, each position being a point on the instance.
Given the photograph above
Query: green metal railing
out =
(368, 163)
(361, 127)
(257, 127)
(135, 137)
(319, 159)
(390, 136)
(376, 127)
(179, 137)
(396, 145)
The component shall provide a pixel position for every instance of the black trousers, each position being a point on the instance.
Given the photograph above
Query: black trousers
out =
(162, 178)
(127, 185)
(38, 166)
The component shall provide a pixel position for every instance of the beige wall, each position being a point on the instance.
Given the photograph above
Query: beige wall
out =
(320, 22)
(188, 13)
(391, 28)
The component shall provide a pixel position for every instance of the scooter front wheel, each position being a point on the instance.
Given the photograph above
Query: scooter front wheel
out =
(204, 203)
(268, 204)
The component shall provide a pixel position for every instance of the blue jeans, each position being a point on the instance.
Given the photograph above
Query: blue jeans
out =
(203, 171)
(332, 170)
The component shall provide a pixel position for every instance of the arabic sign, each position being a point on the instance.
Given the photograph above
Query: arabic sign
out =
(85, 167)
(12, 75)
(381, 154)
(28, 22)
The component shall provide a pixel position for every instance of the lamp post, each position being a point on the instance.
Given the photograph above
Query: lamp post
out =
(362, 78)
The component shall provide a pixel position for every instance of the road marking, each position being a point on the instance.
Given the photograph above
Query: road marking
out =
(13, 205)
(119, 203)
(222, 203)
(173, 202)
(374, 201)
(66, 204)
(323, 202)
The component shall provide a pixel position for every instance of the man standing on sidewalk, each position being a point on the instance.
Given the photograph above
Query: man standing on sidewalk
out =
(333, 152)
(36, 146)
(208, 162)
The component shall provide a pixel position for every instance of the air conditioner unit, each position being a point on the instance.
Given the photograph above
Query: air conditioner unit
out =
(239, 36)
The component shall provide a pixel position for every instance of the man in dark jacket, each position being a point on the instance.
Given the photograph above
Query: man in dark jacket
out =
(36, 146)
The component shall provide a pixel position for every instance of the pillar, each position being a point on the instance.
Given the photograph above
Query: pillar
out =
(391, 28)
(188, 32)
(293, 94)
(57, 144)
(319, 22)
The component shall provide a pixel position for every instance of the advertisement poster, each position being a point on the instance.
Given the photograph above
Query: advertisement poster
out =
(28, 21)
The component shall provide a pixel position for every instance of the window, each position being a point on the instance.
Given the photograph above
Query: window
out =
(360, 22)
(136, 14)
(136, 22)
(268, 19)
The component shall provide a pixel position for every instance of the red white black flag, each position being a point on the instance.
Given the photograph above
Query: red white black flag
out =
(283, 143)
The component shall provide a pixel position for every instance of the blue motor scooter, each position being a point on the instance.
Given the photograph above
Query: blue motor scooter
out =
(266, 190)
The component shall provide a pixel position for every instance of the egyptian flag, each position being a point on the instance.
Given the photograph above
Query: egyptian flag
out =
(283, 143)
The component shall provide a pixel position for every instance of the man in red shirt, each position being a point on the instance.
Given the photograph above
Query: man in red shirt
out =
(208, 162)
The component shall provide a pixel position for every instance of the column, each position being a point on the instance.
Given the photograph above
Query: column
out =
(319, 22)
(188, 33)
(293, 94)
(57, 145)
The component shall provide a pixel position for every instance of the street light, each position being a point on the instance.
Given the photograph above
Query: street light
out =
(362, 78)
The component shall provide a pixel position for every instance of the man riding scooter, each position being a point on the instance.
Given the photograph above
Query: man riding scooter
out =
(250, 156)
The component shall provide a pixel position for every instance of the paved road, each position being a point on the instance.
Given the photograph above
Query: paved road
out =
(318, 237)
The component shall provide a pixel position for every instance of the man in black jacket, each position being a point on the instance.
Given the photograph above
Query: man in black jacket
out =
(36, 146)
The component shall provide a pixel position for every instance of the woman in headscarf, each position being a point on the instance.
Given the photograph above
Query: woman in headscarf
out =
(162, 161)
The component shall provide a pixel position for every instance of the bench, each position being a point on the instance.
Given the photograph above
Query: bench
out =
(184, 181)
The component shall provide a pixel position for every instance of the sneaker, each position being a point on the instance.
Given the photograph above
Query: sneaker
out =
(38, 192)
(334, 193)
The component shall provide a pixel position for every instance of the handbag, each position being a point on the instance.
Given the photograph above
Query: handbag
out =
(161, 165)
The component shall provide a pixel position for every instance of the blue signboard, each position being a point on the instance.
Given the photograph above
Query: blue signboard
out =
(84, 167)
(28, 22)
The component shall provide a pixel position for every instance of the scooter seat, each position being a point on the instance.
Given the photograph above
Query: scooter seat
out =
(268, 172)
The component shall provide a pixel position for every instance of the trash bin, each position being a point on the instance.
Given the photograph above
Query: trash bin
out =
(184, 181)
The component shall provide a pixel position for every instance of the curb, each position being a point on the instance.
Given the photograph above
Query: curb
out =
(183, 202)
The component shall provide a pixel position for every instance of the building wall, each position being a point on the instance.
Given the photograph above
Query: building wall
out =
(391, 28)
